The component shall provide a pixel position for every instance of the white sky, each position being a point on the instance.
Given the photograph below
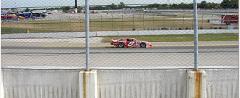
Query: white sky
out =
(41, 3)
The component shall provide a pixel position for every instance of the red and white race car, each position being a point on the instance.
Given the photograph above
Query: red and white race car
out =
(130, 43)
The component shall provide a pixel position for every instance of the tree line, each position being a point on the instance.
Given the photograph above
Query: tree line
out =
(225, 4)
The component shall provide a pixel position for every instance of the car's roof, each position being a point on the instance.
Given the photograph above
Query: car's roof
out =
(127, 38)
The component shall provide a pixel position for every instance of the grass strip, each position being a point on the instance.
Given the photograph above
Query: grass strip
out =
(179, 37)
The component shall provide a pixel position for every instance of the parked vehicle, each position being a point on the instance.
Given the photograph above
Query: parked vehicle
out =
(228, 19)
(8, 17)
(28, 15)
(130, 43)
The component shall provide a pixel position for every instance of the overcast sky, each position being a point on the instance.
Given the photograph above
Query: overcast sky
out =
(42, 3)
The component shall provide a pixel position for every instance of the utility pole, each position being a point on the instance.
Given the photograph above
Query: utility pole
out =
(75, 7)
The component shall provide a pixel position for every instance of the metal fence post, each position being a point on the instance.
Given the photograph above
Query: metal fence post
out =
(195, 35)
(101, 23)
(143, 21)
(87, 33)
(1, 84)
(133, 22)
(112, 21)
(122, 23)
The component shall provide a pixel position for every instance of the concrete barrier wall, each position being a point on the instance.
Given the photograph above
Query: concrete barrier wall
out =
(40, 83)
(221, 83)
(142, 83)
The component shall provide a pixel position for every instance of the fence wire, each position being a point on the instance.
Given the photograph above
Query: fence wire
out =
(123, 34)
(138, 47)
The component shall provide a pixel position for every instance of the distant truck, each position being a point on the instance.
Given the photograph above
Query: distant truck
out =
(27, 15)
(229, 19)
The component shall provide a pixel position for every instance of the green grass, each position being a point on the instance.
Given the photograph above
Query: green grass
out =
(14, 30)
(180, 37)
(107, 24)
(9, 30)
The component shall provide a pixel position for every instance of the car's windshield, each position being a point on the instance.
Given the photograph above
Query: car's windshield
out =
(121, 39)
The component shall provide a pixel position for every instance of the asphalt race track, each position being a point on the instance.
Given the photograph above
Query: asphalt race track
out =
(27, 57)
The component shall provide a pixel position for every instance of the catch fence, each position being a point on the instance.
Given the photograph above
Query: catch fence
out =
(139, 48)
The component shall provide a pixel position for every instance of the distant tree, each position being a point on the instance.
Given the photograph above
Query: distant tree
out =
(174, 6)
(27, 10)
(225, 4)
(213, 6)
(203, 5)
(79, 8)
(66, 9)
(229, 4)
(171, 6)
(109, 7)
(98, 8)
(155, 5)
(163, 6)
(185, 6)
(121, 5)
(235, 3)
(112, 6)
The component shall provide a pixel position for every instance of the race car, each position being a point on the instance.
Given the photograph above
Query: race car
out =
(130, 43)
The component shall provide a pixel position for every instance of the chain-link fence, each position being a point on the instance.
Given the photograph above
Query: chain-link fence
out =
(51, 34)
(140, 48)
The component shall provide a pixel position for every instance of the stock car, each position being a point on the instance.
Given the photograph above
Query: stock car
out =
(130, 43)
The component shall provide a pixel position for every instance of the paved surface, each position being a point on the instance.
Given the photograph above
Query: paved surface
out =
(112, 33)
(96, 42)
(68, 58)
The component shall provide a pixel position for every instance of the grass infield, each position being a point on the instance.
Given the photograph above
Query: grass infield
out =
(179, 37)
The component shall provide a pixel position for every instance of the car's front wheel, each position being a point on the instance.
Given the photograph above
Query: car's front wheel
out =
(121, 45)
(143, 45)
